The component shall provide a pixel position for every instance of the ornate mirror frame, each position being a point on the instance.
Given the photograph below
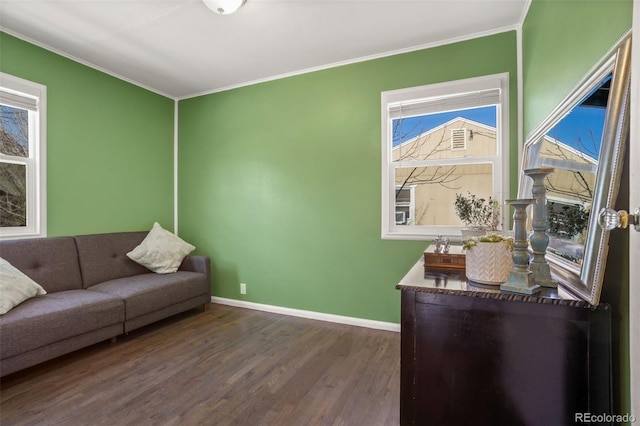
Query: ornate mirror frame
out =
(583, 278)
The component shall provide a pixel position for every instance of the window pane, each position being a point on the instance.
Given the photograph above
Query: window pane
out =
(14, 131)
(453, 134)
(440, 140)
(13, 195)
(403, 195)
(435, 190)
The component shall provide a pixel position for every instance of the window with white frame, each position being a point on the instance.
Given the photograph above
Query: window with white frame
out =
(440, 140)
(22, 158)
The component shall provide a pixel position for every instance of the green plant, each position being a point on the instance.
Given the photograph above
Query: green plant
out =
(489, 238)
(478, 212)
(566, 221)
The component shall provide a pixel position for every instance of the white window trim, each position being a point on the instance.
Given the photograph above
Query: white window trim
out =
(36, 162)
(433, 91)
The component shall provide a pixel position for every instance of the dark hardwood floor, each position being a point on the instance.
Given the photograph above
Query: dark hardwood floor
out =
(225, 366)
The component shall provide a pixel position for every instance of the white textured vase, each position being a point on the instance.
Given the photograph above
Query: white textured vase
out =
(489, 263)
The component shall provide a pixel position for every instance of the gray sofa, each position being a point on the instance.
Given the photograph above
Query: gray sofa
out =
(94, 293)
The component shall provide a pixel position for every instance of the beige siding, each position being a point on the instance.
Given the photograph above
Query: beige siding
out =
(436, 186)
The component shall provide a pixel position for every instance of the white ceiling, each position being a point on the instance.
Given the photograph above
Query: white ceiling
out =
(179, 48)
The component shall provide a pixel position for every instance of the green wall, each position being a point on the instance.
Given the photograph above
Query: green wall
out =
(562, 40)
(280, 182)
(109, 145)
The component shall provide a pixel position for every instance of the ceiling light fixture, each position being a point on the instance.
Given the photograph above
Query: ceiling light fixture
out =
(223, 7)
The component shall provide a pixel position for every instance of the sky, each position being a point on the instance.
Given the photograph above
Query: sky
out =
(12, 127)
(581, 128)
(413, 126)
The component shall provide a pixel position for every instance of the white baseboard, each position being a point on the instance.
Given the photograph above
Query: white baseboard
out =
(359, 322)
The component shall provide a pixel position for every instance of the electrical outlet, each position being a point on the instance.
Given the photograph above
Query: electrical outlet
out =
(243, 288)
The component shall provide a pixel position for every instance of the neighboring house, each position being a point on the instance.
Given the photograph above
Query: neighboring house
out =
(418, 189)
(573, 179)
(569, 189)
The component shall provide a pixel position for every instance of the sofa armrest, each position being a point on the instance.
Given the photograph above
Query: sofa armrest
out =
(200, 264)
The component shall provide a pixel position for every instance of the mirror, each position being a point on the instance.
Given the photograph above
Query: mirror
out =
(583, 140)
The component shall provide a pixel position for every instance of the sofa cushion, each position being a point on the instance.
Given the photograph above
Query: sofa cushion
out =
(161, 251)
(56, 316)
(103, 257)
(15, 287)
(149, 292)
(51, 262)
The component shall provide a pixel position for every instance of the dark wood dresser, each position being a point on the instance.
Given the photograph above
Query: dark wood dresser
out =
(471, 354)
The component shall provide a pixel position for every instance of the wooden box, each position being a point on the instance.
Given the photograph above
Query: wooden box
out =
(454, 259)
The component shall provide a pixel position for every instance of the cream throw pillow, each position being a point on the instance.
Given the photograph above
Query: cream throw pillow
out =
(161, 251)
(15, 287)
